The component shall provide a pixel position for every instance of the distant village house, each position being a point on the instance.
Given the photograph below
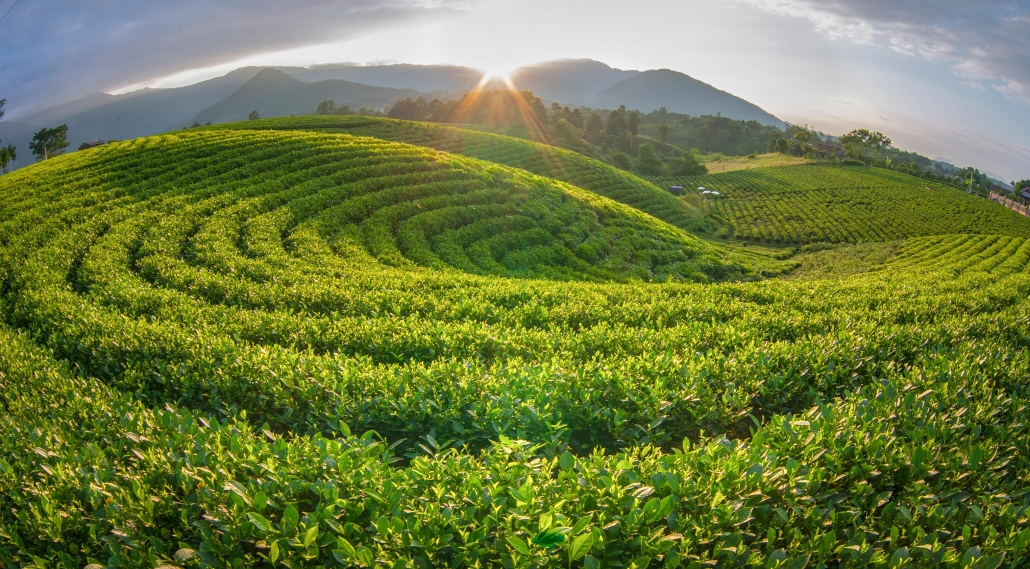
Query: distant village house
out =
(91, 144)
(828, 150)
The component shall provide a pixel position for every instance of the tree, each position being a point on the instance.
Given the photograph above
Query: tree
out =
(648, 161)
(862, 142)
(687, 165)
(594, 128)
(616, 124)
(410, 109)
(326, 108)
(568, 135)
(576, 118)
(663, 132)
(254, 115)
(49, 142)
(1020, 185)
(2, 103)
(208, 123)
(8, 154)
(633, 123)
(782, 146)
(195, 125)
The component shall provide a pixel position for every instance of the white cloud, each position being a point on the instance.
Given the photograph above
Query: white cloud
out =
(985, 42)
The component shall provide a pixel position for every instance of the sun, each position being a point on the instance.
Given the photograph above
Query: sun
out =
(496, 73)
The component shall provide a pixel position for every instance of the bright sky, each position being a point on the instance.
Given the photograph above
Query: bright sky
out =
(946, 78)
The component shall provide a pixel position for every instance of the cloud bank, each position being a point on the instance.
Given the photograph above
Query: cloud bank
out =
(986, 42)
(56, 49)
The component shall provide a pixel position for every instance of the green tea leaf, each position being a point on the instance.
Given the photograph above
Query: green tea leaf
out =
(580, 546)
(259, 522)
(518, 545)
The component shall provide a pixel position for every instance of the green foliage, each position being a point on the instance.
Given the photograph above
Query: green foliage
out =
(648, 161)
(8, 154)
(686, 165)
(49, 142)
(241, 346)
(537, 158)
(254, 115)
(329, 108)
(816, 203)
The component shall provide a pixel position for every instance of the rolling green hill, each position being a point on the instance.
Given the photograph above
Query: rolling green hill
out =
(283, 344)
(541, 159)
(828, 203)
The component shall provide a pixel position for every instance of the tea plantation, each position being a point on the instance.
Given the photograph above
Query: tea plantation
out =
(281, 344)
(826, 203)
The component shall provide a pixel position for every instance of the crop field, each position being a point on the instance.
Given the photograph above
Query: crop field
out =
(821, 203)
(550, 161)
(287, 345)
(735, 163)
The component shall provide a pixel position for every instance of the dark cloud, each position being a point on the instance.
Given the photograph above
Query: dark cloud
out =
(986, 42)
(58, 49)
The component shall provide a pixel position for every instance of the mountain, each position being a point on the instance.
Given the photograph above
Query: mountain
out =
(284, 91)
(121, 117)
(651, 90)
(426, 78)
(273, 93)
(570, 81)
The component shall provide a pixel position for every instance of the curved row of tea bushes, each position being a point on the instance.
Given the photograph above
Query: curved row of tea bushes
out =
(545, 160)
(231, 348)
(820, 203)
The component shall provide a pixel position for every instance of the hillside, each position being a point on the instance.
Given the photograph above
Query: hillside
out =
(679, 93)
(820, 202)
(279, 343)
(571, 81)
(537, 158)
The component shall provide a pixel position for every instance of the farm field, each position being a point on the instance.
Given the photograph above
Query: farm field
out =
(735, 163)
(825, 203)
(549, 161)
(322, 342)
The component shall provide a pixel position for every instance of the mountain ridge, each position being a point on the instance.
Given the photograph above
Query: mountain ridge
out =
(298, 90)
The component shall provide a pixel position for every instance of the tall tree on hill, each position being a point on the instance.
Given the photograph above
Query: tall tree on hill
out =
(326, 108)
(49, 142)
(8, 154)
(862, 143)
(663, 132)
(594, 128)
(648, 162)
(633, 122)
(253, 115)
(615, 127)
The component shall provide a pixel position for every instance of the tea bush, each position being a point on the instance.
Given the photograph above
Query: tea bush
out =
(300, 348)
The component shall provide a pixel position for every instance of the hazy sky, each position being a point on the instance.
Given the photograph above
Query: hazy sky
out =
(946, 78)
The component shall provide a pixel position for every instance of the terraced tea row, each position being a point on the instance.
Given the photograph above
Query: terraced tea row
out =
(196, 323)
(816, 203)
(542, 159)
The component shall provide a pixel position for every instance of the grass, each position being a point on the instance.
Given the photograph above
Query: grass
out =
(719, 164)
(293, 346)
